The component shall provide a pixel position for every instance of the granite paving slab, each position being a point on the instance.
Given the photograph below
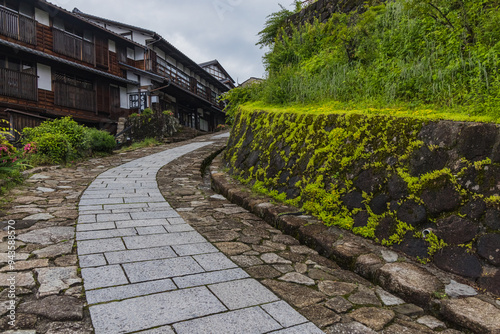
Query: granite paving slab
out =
(146, 269)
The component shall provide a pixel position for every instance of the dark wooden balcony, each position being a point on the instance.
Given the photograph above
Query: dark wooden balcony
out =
(73, 46)
(74, 97)
(17, 26)
(18, 84)
(181, 79)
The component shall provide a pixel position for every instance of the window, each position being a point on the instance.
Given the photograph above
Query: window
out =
(17, 65)
(134, 101)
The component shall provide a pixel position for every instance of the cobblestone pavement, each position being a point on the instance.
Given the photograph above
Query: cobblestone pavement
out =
(147, 265)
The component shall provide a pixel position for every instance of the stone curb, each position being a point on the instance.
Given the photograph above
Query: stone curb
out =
(394, 272)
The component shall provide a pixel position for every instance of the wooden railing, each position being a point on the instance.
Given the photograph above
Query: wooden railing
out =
(183, 80)
(73, 46)
(74, 97)
(17, 26)
(18, 84)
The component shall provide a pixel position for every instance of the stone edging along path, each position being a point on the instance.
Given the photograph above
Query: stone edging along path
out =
(423, 285)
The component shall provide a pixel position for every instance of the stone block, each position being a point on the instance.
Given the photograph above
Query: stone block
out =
(146, 254)
(194, 249)
(94, 260)
(155, 215)
(54, 280)
(141, 223)
(242, 293)
(105, 234)
(250, 320)
(473, 314)
(99, 246)
(414, 283)
(157, 240)
(129, 291)
(210, 278)
(160, 269)
(284, 314)
(102, 277)
(214, 261)
(156, 310)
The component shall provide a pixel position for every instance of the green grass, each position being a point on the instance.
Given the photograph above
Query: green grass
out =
(428, 112)
(148, 142)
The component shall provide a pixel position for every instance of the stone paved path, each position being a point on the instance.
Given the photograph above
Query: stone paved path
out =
(144, 268)
(49, 298)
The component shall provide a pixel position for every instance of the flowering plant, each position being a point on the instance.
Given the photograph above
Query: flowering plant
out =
(30, 148)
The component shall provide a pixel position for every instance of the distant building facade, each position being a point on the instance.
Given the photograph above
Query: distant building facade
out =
(56, 63)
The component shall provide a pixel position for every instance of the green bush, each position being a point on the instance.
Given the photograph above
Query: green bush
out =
(64, 140)
(75, 134)
(101, 141)
(55, 147)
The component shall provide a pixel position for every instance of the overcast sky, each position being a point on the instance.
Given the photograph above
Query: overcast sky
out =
(204, 30)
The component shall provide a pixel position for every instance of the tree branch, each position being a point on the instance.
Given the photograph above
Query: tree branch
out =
(441, 13)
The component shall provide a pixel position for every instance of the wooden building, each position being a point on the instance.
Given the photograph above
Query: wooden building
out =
(56, 63)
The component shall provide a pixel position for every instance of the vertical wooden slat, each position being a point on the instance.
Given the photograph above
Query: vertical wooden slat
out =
(18, 84)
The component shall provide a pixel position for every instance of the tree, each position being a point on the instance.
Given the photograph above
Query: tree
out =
(275, 22)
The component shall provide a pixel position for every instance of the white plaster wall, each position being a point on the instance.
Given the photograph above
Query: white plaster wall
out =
(111, 45)
(132, 76)
(160, 53)
(145, 81)
(140, 38)
(44, 77)
(116, 29)
(130, 53)
(139, 54)
(42, 17)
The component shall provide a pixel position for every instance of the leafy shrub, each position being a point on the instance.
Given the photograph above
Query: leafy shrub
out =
(63, 140)
(75, 134)
(101, 141)
(152, 124)
(56, 147)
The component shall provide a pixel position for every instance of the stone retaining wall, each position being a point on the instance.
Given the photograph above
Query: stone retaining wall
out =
(428, 189)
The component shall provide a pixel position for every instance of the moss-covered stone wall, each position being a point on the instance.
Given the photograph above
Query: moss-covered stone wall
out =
(428, 189)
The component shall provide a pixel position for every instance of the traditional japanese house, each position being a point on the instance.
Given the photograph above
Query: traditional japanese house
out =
(169, 79)
(56, 63)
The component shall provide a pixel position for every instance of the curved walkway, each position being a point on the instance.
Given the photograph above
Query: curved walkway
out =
(145, 269)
